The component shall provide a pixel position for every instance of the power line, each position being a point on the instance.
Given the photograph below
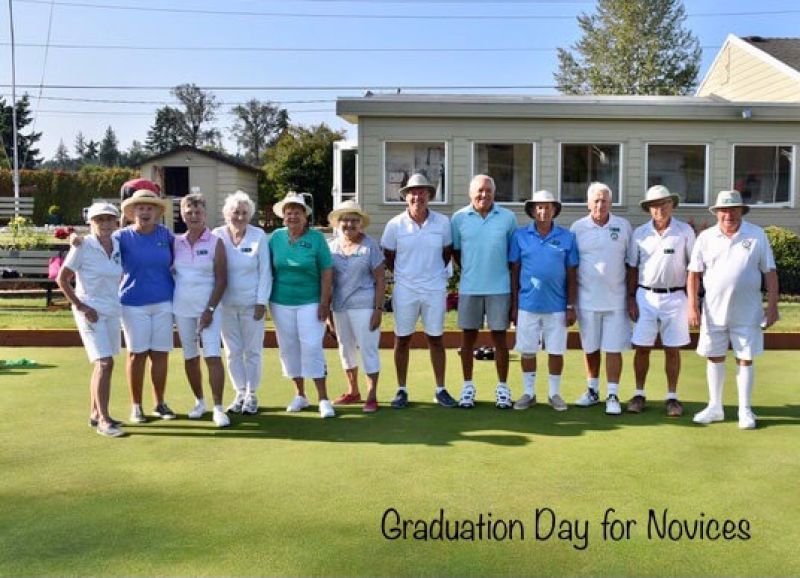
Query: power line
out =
(360, 87)
(150, 114)
(173, 102)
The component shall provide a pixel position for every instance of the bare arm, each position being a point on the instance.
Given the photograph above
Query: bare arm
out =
(771, 282)
(633, 282)
(325, 292)
(447, 253)
(692, 288)
(515, 267)
(380, 292)
(220, 284)
(389, 257)
(572, 295)
(64, 281)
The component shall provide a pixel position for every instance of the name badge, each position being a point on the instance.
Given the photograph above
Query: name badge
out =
(304, 244)
(247, 249)
(161, 244)
(669, 251)
(202, 252)
(555, 243)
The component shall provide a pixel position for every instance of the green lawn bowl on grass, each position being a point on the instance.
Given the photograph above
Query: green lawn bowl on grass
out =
(295, 495)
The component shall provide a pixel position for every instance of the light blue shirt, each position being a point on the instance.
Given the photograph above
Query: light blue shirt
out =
(543, 267)
(483, 243)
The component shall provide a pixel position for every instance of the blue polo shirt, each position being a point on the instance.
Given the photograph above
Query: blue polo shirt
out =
(146, 262)
(483, 243)
(543, 267)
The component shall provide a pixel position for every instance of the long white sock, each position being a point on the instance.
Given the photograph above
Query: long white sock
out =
(529, 382)
(715, 375)
(612, 388)
(555, 384)
(593, 382)
(745, 374)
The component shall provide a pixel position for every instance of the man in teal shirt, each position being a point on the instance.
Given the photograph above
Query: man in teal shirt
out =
(481, 232)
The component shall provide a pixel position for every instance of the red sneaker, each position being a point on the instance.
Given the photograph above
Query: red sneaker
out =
(371, 406)
(347, 398)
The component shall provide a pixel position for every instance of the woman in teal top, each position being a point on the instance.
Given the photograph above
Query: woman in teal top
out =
(300, 301)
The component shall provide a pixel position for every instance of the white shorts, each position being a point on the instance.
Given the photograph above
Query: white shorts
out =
(609, 331)
(666, 313)
(537, 331)
(353, 333)
(148, 327)
(300, 333)
(408, 305)
(209, 340)
(747, 341)
(100, 339)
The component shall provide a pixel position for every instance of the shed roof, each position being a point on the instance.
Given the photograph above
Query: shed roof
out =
(223, 158)
(787, 50)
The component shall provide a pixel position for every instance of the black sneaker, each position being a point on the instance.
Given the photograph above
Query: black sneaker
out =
(163, 411)
(114, 422)
(445, 399)
(400, 400)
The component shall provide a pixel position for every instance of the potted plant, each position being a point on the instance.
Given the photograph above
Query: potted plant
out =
(54, 215)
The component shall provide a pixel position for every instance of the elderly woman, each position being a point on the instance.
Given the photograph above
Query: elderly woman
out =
(200, 279)
(244, 302)
(300, 301)
(95, 265)
(146, 296)
(358, 293)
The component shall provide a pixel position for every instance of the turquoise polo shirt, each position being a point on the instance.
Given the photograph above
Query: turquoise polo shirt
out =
(297, 267)
(483, 243)
(543, 267)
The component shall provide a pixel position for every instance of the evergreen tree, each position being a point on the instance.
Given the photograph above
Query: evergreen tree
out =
(631, 47)
(165, 134)
(90, 156)
(62, 159)
(257, 126)
(134, 156)
(80, 146)
(109, 149)
(28, 155)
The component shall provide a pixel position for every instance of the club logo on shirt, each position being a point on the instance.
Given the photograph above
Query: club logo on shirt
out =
(161, 244)
(246, 249)
(555, 243)
(115, 257)
(201, 252)
(747, 243)
(614, 233)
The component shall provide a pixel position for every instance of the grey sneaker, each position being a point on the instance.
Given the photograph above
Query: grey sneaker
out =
(589, 397)
(525, 401)
(137, 414)
(238, 403)
(558, 403)
(110, 431)
(250, 406)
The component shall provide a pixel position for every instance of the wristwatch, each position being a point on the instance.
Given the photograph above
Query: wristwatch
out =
(210, 308)
(570, 308)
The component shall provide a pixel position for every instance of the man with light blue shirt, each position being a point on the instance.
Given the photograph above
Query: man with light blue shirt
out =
(481, 232)
(544, 262)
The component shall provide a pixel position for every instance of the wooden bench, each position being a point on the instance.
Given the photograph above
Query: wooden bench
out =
(7, 207)
(32, 268)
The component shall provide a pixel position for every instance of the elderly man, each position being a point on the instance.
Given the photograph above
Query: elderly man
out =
(481, 232)
(417, 245)
(657, 293)
(604, 248)
(731, 257)
(543, 258)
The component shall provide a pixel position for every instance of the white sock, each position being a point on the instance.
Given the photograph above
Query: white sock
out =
(218, 407)
(502, 384)
(439, 388)
(715, 375)
(594, 383)
(640, 392)
(555, 384)
(671, 395)
(201, 402)
(469, 383)
(745, 375)
(612, 388)
(402, 388)
(529, 382)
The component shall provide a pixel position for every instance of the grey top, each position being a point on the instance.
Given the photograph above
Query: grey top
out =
(353, 280)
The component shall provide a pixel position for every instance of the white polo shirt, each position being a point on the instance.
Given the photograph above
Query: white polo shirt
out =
(732, 269)
(603, 251)
(662, 258)
(97, 275)
(249, 268)
(418, 263)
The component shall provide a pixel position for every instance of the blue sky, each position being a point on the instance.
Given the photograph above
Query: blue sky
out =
(339, 49)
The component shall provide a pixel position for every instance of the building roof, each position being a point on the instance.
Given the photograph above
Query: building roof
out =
(223, 158)
(787, 50)
(561, 106)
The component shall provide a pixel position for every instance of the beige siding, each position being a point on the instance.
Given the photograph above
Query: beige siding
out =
(740, 75)
(547, 134)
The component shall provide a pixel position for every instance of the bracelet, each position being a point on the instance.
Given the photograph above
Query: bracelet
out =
(570, 308)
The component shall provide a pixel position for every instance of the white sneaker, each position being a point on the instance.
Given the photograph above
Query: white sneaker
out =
(467, 397)
(198, 411)
(747, 419)
(299, 403)
(326, 408)
(709, 415)
(589, 397)
(137, 414)
(238, 402)
(612, 405)
(502, 395)
(221, 418)
(250, 406)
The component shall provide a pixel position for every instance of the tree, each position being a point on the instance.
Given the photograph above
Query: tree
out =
(199, 108)
(62, 159)
(257, 126)
(302, 161)
(165, 134)
(90, 156)
(134, 156)
(80, 146)
(109, 149)
(631, 47)
(28, 155)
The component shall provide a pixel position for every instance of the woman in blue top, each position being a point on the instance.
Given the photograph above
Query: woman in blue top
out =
(301, 299)
(146, 296)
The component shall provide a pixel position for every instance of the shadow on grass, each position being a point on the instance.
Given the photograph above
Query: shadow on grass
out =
(428, 424)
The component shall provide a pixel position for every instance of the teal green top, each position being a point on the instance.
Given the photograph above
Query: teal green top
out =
(297, 267)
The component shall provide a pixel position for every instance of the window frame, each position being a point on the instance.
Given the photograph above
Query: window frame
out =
(504, 141)
(619, 189)
(447, 169)
(706, 168)
(790, 203)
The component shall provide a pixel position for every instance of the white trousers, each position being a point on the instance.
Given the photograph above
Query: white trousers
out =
(243, 337)
(352, 329)
(300, 335)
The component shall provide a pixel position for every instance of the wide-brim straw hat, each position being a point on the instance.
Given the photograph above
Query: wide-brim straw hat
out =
(348, 208)
(658, 193)
(729, 200)
(542, 196)
(417, 181)
(100, 209)
(142, 197)
(291, 198)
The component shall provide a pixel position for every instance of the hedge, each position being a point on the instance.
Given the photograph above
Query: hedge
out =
(71, 191)
(786, 248)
